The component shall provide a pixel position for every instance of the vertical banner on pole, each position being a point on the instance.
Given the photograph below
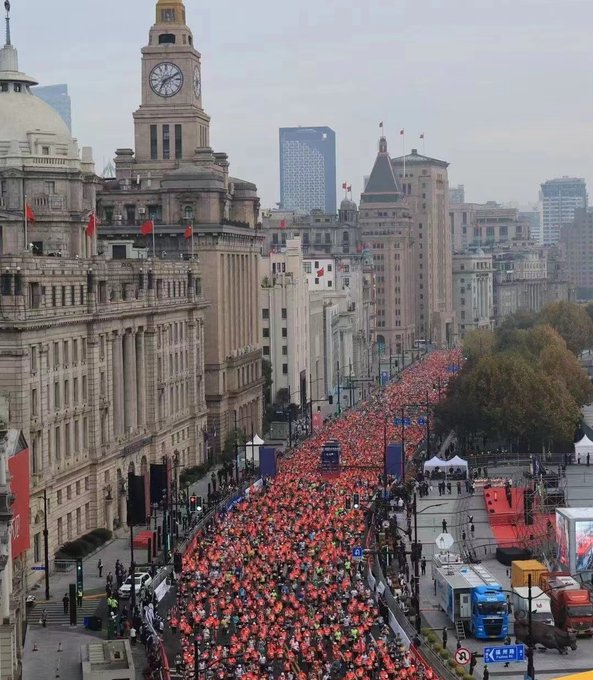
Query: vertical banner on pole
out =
(395, 461)
(267, 461)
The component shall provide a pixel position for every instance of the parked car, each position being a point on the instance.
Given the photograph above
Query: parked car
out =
(141, 578)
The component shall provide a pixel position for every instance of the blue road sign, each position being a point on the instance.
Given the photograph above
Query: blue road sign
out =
(384, 378)
(402, 421)
(421, 421)
(357, 552)
(37, 568)
(504, 653)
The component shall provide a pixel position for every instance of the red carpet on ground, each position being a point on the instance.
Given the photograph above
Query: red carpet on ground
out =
(508, 522)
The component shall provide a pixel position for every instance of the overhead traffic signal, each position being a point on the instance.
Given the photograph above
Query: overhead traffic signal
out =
(356, 501)
(193, 502)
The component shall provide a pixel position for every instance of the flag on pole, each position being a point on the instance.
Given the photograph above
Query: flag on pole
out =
(402, 131)
(29, 214)
(422, 136)
(188, 233)
(147, 228)
(282, 224)
(91, 225)
(381, 124)
(344, 185)
(320, 272)
(349, 188)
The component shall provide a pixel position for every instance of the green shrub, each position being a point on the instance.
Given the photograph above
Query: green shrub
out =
(104, 534)
(444, 654)
(459, 671)
(431, 637)
(452, 663)
(425, 631)
(92, 539)
(468, 676)
(192, 474)
(438, 648)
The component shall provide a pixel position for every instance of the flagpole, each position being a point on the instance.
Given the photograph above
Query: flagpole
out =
(153, 245)
(192, 242)
(423, 144)
(404, 152)
(25, 215)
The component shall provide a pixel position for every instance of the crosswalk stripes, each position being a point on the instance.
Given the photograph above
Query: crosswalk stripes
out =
(55, 613)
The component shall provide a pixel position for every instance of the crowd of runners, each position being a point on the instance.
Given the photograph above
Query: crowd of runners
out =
(270, 590)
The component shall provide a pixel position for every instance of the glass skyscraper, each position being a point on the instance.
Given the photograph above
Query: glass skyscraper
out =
(308, 169)
(58, 98)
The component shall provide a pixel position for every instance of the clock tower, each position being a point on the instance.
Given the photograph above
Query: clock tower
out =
(170, 124)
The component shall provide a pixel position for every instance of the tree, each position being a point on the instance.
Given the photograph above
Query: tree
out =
(235, 436)
(478, 343)
(266, 369)
(572, 322)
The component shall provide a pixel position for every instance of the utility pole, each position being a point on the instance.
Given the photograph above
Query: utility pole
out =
(427, 427)
(351, 387)
(384, 503)
(530, 668)
(45, 544)
(403, 445)
(339, 407)
(132, 573)
(237, 448)
(416, 565)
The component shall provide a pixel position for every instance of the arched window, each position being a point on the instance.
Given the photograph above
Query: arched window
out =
(188, 212)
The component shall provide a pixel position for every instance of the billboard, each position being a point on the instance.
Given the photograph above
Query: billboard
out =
(267, 461)
(562, 540)
(583, 539)
(330, 456)
(18, 468)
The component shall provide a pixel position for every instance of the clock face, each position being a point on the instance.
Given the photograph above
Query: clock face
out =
(197, 82)
(166, 79)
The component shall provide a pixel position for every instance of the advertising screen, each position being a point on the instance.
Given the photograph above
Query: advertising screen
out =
(583, 530)
(562, 540)
(18, 468)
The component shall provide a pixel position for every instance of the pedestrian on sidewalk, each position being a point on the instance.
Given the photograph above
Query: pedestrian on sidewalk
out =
(472, 528)
(423, 566)
(65, 602)
(79, 597)
(444, 525)
(445, 638)
(100, 567)
(486, 674)
(44, 618)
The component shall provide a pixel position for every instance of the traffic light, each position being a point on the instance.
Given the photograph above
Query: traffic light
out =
(330, 399)
(193, 503)
(348, 502)
(199, 504)
(79, 580)
(356, 501)
(177, 562)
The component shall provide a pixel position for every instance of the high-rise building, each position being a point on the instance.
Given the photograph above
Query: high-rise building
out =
(457, 194)
(577, 241)
(175, 180)
(559, 199)
(385, 221)
(58, 98)
(425, 186)
(308, 169)
(284, 303)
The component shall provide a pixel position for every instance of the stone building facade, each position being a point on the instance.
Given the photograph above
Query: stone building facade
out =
(175, 179)
(473, 290)
(101, 360)
(385, 222)
(425, 186)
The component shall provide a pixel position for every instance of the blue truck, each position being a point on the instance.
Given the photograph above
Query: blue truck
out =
(471, 598)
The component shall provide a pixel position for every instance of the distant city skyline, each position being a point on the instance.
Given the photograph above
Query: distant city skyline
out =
(306, 73)
(308, 169)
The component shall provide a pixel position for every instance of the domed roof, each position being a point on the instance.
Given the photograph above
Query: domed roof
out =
(347, 204)
(190, 176)
(22, 113)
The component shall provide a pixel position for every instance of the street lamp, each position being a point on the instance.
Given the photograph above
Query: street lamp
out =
(416, 557)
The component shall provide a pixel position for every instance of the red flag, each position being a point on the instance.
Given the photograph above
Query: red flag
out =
(189, 232)
(320, 272)
(381, 124)
(29, 214)
(349, 188)
(282, 224)
(401, 132)
(344, 185)
(422, 136)
(91, 225)
(147, 228)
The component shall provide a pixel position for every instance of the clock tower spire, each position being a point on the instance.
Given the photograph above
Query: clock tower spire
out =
(170, 123)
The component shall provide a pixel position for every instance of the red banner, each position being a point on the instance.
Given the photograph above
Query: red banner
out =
(18, 468)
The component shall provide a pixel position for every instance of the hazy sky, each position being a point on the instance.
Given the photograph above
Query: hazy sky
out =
(501, 88)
